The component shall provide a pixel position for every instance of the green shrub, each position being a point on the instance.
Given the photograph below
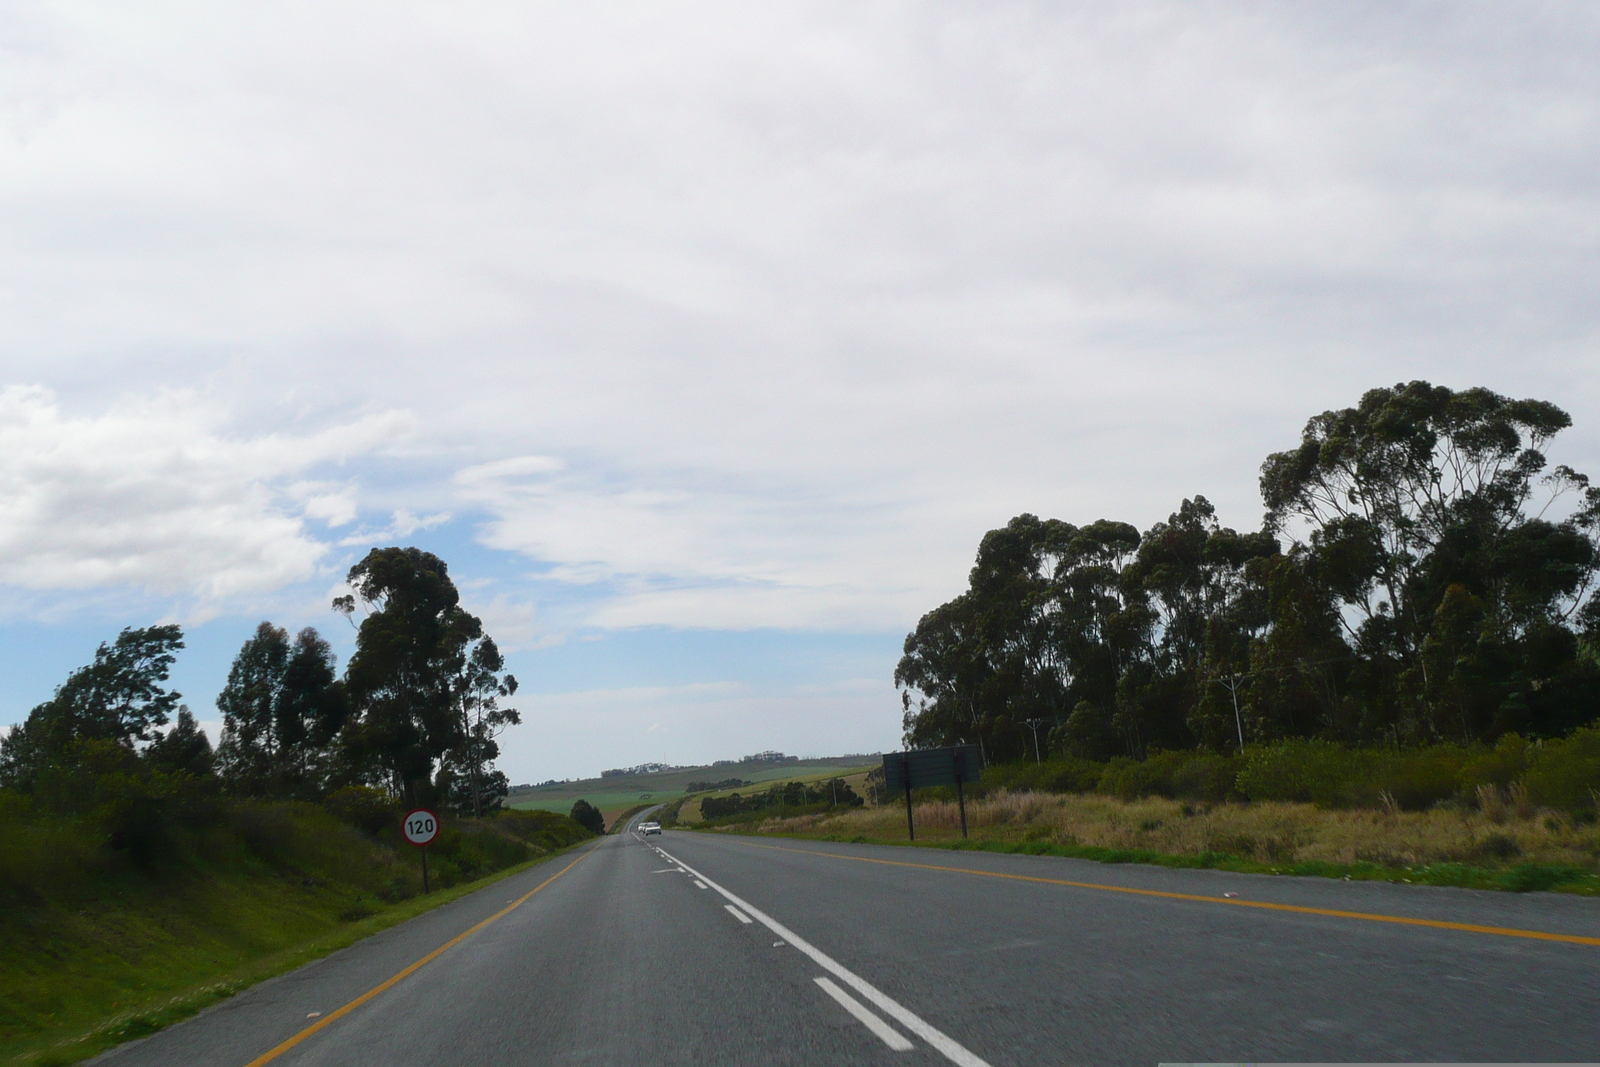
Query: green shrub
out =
(1308, 771)
(1500, 766)
(542, 829)
(369, 810)
(1183, 775)
(44, 856)
(1566, 774)
(1560, 774)
(1416, 779)
(1497, 847)
(1064, 775)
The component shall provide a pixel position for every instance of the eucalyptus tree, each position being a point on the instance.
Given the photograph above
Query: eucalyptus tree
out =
(282, 708)
(405, 679)
(114, 703)
(1427, 514)
(483, 683)
(247, 757)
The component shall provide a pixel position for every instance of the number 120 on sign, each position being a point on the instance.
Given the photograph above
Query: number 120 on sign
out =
(421, 826)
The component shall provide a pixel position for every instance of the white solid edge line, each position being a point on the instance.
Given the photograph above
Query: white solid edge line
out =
(737, 914)
(888, 1034)
(947, 1046)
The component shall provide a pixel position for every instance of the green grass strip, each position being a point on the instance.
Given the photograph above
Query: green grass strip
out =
(59, 1050)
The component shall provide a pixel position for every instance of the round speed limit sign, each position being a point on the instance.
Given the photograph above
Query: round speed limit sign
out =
(421, 826)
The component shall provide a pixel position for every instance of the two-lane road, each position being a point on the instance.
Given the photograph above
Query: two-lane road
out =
(710, 949)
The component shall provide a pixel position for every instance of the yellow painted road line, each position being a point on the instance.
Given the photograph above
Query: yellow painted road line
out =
(1439, 924)
(272, 1054)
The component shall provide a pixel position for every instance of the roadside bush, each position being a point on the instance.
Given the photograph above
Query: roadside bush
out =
(543, 829)
(300, 839)
(1560, 774)
(1499, 766)
(1065, 775)
(1332, 776)
(44, 856)
(1174, 775)
(1565, 774)
(369, 810)
(1416, 779)
(1307, 771)
(1207, 777)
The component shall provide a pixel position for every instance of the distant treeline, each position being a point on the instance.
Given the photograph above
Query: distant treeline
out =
(726, 783)
(1422, 576)
(769, 756)
(832, 793)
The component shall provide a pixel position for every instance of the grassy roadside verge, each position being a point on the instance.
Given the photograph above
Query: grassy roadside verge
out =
(1456, 848)
(180, 992)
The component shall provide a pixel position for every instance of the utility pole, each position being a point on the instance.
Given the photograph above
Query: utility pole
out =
(1034, 725)
(1232, 685)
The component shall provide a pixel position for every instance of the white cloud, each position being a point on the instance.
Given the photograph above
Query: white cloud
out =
(514, 624)
(687, 555)
(329, 502)
(402, 524)
(153, 494)
(762, 314)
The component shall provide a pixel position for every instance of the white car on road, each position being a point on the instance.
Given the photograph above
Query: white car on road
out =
(648, 828)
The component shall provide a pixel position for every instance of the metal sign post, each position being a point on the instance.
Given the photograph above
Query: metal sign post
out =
(961, 802)
(420, 827)
(911, 826)
(932, 766)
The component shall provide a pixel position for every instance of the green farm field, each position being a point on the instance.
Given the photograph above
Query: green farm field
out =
(855, 777)
(616, 794)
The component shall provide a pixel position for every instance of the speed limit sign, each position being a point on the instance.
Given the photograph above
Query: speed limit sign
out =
(421, 827)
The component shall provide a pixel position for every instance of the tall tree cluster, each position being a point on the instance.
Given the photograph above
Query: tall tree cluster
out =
(416, 713)
(424, 684)
(1421, 575)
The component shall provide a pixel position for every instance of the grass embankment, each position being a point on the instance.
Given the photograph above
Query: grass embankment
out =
(98, 951)
(1514, 846)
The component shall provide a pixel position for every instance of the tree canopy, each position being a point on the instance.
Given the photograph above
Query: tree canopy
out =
(424, 683)
(1419, 576)
(118, 700)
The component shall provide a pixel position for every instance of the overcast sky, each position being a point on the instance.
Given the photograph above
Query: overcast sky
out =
(704, 341)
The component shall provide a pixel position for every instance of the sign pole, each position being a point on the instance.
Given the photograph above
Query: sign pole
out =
(911, 827)
(424, 870)
(961, 801)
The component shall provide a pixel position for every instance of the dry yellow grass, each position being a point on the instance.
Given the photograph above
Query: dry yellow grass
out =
(1508, 831)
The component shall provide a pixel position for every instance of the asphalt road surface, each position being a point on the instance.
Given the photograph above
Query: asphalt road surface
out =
(708, 949)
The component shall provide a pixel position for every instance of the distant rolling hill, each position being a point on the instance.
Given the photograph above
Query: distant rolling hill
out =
(619, 792)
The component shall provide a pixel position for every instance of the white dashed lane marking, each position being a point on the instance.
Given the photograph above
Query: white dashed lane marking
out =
(941, 1042)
